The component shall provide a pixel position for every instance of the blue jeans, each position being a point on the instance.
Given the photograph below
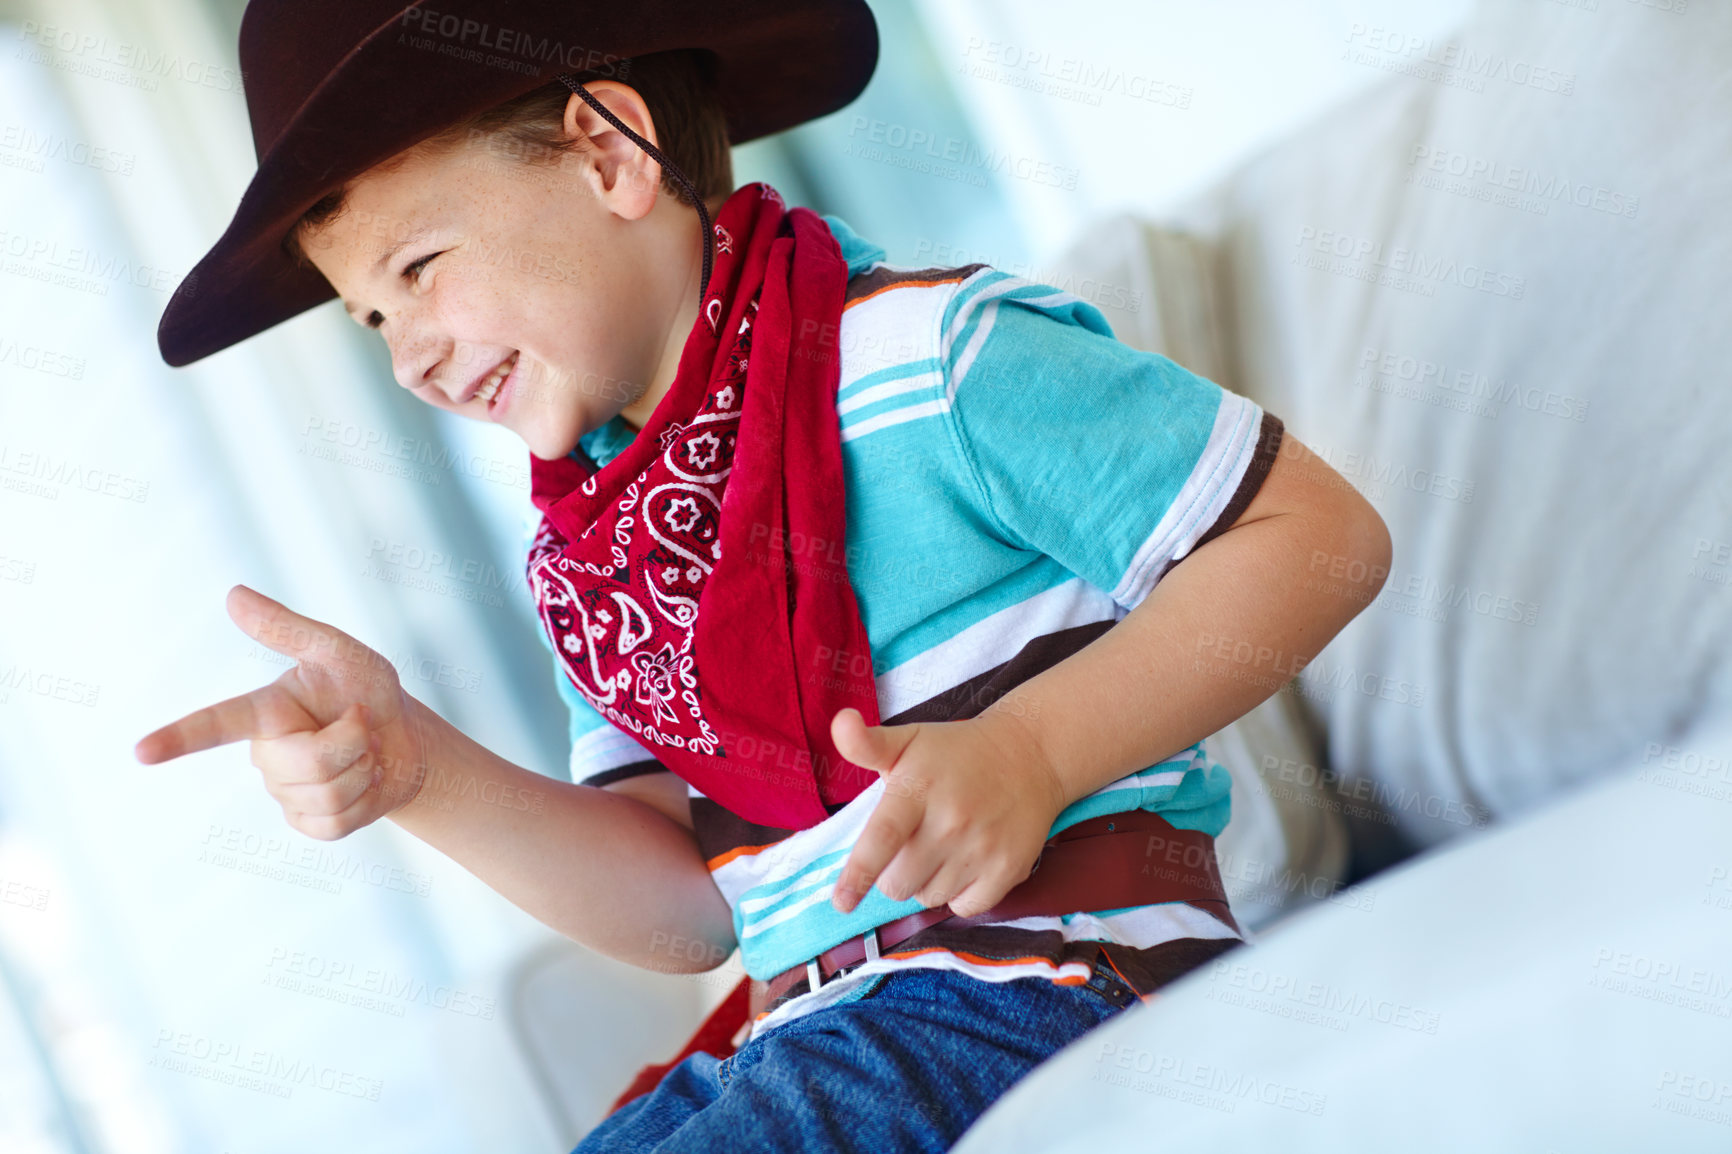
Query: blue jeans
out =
(907, 1065)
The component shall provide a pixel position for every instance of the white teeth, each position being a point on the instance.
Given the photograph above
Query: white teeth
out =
(490, 386)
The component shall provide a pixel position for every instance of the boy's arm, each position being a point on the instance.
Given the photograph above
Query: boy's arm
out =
(968, 804)
(1228, 626)
(341, 744)
(607, 867)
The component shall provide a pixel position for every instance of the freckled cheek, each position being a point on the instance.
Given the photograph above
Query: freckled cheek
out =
(472, 304)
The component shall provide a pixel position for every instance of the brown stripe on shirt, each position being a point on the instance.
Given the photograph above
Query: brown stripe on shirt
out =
(1269, 436)
(864, 286)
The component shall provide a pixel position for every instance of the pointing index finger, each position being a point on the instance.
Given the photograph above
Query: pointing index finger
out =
(264, 713)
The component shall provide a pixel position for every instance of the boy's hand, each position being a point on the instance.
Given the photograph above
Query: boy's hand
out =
(339, 742)
(963, 817)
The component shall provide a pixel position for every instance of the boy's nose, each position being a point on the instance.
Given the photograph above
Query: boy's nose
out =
(410, 374)
(418, 365)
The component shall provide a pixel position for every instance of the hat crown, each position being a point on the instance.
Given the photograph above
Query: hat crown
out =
(289, 47)
(334, 87)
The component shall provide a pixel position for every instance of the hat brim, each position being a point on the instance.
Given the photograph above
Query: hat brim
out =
(779, 64)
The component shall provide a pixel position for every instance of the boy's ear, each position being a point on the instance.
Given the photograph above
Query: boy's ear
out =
(624, 176)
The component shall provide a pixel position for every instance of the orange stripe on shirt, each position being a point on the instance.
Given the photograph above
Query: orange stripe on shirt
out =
(978, 960)
(723, 859)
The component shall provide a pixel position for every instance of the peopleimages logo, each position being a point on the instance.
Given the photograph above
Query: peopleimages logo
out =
(464, 32)
(1449, 61)
(138, 66)
(1399, 266)
(904, 141)
(1198, 1083)
(1386, 371)
(1496, 175)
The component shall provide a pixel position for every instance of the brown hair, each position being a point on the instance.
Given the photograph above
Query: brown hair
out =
(678, 90)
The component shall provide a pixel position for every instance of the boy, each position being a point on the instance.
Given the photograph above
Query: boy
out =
(874, 573)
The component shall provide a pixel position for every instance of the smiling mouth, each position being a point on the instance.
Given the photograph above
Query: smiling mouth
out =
(496, 379)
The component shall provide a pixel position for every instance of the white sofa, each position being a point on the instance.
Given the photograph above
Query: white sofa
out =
(1559, 595)
(1494, 293)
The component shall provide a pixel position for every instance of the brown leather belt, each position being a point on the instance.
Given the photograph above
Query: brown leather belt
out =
(1117, 861)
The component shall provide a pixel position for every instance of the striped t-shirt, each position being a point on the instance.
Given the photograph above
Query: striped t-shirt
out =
(1016, 481)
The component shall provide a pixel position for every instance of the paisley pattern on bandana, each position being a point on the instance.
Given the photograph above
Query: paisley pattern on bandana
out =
(664, 580)
(627, 635)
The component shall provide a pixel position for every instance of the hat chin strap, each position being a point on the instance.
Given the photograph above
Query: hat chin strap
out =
(668, 166)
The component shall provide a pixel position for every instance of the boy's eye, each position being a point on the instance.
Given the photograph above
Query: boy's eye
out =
(413, 271)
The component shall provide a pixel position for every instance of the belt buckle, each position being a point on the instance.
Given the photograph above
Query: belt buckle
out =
(815, 975)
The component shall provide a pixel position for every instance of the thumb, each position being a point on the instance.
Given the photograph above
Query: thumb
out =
(875, 747)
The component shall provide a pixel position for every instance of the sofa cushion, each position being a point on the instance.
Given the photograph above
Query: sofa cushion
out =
(1491, 292)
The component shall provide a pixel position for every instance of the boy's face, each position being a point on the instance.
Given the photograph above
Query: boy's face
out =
(570, 279)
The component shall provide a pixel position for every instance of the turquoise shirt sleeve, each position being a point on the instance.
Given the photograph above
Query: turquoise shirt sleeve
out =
(1111, 460)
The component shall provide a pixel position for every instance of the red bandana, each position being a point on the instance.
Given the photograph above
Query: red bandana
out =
(695, 587)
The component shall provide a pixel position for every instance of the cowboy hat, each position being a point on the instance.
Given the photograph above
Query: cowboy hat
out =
(333, 87)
